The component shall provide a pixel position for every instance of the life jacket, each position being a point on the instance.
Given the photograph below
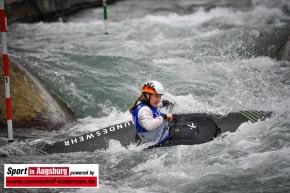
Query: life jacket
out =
(157, 136)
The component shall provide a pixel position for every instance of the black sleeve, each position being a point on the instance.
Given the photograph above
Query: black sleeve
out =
(164, 116)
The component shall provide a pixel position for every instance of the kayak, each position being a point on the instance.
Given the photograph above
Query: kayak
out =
(185, 129)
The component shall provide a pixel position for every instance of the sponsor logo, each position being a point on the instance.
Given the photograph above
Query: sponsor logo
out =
(255, 116)
(192, 125)
(97, 133)
(51, 175)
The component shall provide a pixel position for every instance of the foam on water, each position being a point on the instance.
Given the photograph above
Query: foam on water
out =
(208, 62)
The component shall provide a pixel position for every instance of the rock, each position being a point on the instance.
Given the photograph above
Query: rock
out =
(3, 155)
(283, 52)
(32, 105)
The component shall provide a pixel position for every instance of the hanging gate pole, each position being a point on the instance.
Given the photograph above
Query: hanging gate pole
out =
(3, 23)
(105, 15)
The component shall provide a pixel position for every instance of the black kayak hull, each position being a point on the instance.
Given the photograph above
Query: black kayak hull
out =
(188, 129)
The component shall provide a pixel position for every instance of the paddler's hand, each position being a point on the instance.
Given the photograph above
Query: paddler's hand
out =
(169, 116)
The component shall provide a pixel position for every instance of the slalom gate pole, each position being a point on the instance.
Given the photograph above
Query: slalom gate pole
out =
(105, 16)
(3, 23)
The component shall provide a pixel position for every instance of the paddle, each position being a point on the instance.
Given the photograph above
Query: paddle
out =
(168, 105)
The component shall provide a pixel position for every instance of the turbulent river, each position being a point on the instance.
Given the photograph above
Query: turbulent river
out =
(211, 56)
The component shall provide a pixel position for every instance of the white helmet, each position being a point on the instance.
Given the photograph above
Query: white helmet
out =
(153, 87)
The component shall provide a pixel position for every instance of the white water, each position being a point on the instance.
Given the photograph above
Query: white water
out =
(214, 61)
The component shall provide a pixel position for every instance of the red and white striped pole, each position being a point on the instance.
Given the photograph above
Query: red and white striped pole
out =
(3, 23)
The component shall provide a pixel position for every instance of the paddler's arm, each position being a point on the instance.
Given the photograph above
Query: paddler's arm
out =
(147, 121)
